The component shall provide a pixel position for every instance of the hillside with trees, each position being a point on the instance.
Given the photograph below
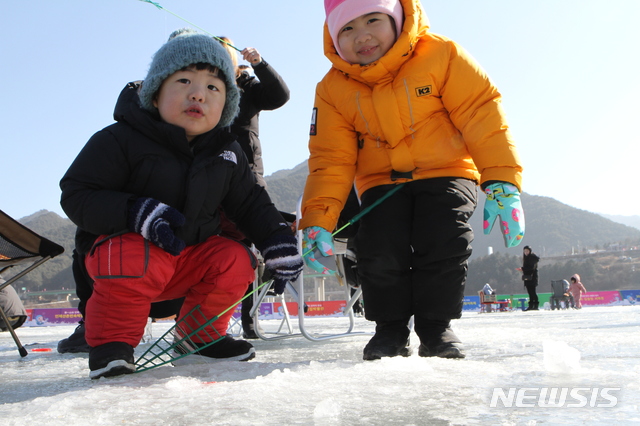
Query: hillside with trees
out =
(604, 270)
(552, 228)
(569, 240)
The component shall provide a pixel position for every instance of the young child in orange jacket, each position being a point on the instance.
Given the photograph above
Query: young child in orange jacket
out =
(404, 106)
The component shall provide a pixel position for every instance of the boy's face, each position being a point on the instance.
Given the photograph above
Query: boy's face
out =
(367, 38)
(192, 99)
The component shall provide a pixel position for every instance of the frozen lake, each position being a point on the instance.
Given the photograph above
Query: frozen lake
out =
(546, 367)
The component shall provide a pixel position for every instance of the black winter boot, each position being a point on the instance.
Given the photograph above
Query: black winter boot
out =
(391, 339)
(111, 359)
(249, 330)
(225, 349)
(75, 343)
(437, 339)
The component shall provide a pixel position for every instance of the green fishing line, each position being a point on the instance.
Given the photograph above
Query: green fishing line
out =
(156, 4)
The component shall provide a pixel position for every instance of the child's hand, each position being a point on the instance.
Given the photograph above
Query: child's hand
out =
(503, 200)
(282, 259)
(317, 241)
(155, 221)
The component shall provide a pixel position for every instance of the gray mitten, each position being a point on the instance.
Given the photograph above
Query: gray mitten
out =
(282, 259)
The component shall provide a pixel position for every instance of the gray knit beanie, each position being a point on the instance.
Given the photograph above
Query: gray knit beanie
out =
(186, 47)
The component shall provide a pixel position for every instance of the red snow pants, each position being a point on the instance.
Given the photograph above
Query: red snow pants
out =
(129, 273)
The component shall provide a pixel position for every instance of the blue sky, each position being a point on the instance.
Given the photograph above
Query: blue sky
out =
(568, 71)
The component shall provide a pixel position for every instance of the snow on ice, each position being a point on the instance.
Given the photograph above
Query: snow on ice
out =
(522, 368)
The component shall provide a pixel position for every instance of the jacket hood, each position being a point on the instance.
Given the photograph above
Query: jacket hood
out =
(576, 277)
(415, 24)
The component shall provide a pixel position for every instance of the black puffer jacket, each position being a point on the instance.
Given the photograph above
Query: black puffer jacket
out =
(265, 93)
(530, 263)
(142, 156)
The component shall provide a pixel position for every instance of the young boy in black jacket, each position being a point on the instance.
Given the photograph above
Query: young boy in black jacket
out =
(146, 193)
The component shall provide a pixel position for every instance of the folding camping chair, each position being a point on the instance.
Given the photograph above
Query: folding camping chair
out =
(560, 294)
(351, 299)
(296, 290)
(19, 246)
(486, 300)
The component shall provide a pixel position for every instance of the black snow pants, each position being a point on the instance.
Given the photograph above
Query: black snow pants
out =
(531, 285)
(413, 249)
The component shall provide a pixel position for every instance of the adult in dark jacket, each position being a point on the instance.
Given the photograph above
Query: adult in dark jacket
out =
(530, 276)
(147, 192)
(266, 91)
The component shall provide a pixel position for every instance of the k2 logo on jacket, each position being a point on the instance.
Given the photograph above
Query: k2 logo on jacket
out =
(229, 156)
(314, 120)
(423, 91)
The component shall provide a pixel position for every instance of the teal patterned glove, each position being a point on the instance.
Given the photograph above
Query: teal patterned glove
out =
(317, 249)
(503, 200)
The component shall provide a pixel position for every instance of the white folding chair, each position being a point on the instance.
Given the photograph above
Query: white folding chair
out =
(296, 291)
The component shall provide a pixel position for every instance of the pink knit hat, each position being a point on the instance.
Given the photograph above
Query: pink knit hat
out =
(339, 12)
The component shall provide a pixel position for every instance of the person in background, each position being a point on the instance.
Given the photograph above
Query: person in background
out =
(576, 289)
(148, 190)
(12, 307)
(401, 105)
(487, 290)
(261, 89)
(530, 276)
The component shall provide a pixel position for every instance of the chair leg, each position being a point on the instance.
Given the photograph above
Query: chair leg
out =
(23, 352)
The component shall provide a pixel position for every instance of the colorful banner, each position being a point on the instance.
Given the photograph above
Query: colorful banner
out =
(266, 310)
(599, 298)
(52, 316)
(630, 297)
(42, 317)
(471, 303)
(329, 308)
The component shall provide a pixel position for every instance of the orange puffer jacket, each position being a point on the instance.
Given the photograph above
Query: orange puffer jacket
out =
(426, 107)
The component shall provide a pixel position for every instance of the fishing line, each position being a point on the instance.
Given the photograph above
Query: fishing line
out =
(156, 4)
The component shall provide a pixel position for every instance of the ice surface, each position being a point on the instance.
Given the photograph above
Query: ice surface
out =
(560, 357)
(299, 382)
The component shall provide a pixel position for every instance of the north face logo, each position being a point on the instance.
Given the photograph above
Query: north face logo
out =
(229, 156)
(423, 91)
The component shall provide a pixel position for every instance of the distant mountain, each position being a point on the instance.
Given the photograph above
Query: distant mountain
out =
(552, 228)
(633, 221)
(286, 187)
